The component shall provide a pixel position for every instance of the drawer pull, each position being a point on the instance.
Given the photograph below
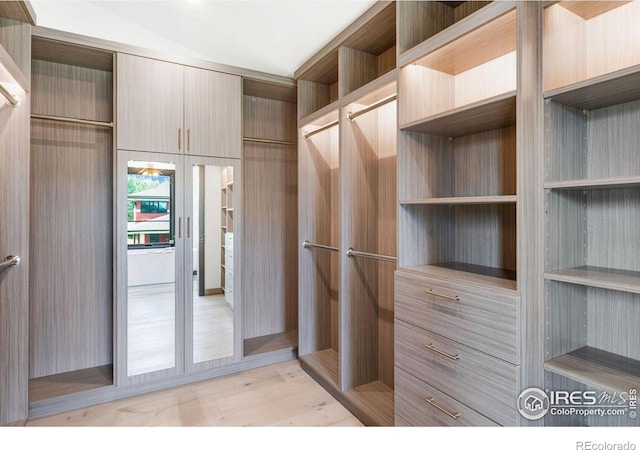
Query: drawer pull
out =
(433, 348)
(453, 298)
(430, 401)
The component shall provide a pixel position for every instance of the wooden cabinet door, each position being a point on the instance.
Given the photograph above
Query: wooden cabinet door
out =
(150, 105)
(213, 113)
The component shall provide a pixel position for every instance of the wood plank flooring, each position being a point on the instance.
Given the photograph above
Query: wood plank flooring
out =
(277, 395)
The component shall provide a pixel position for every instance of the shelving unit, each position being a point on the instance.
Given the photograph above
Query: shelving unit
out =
(71, 323)
(226, 223)
(270, 316)
(592, 195)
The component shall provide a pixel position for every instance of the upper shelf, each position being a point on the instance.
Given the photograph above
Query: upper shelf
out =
(480, 200)
(621, 86)
(489, 114)
(595, 183)
(599, 277)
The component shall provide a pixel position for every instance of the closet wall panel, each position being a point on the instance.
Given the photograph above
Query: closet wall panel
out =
(71, 248)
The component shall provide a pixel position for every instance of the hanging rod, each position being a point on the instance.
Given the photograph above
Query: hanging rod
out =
(72, 120)
(268, 141)
(353, 253)
(372, 106)
(322, 128)
(13, 100)
(307, 244)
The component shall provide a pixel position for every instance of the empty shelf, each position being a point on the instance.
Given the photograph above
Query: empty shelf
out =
(595, 183)
(599, 277)
(480, 200)
(287, 340)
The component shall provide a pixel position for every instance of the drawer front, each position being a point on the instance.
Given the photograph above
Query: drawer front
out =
(481, 320)
(484, 383)
(425, 406)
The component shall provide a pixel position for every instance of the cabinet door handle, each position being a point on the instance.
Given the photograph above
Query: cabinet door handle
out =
(189, 226)
(453, 415)
(433, 348)
(179, 138)
(188, 139)
(10, 261)
(179, 227)
(453, 298)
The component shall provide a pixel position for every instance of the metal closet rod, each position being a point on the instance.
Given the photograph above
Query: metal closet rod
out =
(309, 245)
(354, 253)
(268, 141)
(321, 129)
(13, 100)
(372, 106)
(72, 120)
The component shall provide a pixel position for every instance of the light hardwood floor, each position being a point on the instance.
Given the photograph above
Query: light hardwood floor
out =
(277, 395)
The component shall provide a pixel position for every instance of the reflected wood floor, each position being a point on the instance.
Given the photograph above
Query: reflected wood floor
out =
(277, 395)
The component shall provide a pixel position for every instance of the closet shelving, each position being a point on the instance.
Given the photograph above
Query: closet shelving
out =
(270, 318)
(71, 323)
(348, 201)
(458, 198)
(592, 195)
(226, 219)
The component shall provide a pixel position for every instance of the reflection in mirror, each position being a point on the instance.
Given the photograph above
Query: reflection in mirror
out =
(151, 263)
(212, 262)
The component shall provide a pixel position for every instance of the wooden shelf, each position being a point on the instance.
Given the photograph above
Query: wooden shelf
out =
(590, 9)
(597, 368)
(492, 113)
(52, 386)
(375, 402)
(595, 183)
(273, 342)
(613, 88)
(493, 277)
(599, 277)
(323, 367)
(481, 200)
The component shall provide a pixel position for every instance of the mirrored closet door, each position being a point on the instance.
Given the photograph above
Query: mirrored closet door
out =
(176, 265)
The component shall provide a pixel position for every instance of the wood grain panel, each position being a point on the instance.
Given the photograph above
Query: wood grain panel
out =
(73, 55)
(565, 143)
(212, 113)
(589, 10)
(368, 223)
(21, 11)
(265, 118)
(490, 41)
(387, 61)
(486, 384)
(481, 320)
(410, 401)
(377, 34)
(70, 382)
(567, 230)
(318, 222)
(566, 318)
(418, 21)
(257, 88)
(71, 91)
(311, 97)
(13, 36)
(356, 68)
(271, 211)
(150, 105)
(416, 84)
(71, 205)
(14, 240)
(467, 8)
(619, 280)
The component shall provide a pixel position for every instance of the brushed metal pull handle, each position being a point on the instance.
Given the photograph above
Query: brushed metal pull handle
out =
(10, 261)
(179, 138)
(453, 415)
(189, 226)
(188, 139)
(453, 298)
(433, 348)
(179, 227)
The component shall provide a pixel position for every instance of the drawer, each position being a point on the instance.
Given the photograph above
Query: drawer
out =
(483, 320)
(484, 383)
(425, 406)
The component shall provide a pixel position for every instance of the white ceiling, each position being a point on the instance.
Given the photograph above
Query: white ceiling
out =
(273, 36)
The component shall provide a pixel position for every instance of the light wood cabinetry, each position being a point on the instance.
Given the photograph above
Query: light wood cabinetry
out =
(150, 102)
(270, 316)
(170, 108)
(461, 312)
(347, 214)
(71, 226)
(591, 200)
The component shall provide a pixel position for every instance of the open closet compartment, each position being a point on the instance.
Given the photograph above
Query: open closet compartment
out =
(368, 250)
(458, 196)
(592, 196)
(420, 20)
(71, 231)
(270, 315)
(319, 247)
(318, 86)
